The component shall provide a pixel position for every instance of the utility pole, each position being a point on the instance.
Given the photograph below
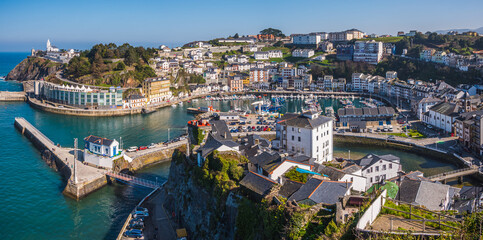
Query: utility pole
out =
(75, 160)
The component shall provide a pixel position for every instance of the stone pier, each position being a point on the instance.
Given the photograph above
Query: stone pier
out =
(12, 96)
(86, 178)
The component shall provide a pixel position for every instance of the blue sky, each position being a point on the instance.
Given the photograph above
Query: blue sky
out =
(26, 24)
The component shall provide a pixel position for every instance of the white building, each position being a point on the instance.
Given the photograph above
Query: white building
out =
(442, 116)
(368, 51)
(261, 55)
(306, 39)
(102, 152)
(51, 48)
(425, 104)
(305, 53)
(378, 168)
(308, 134)
(275, 54)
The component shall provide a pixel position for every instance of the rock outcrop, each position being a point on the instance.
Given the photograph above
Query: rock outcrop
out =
(33, 68)
(204, 215)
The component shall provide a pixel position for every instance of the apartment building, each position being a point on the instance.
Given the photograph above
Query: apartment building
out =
(368, 51)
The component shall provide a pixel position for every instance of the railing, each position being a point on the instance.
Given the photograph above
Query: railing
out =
(134, 180)
(446, 174)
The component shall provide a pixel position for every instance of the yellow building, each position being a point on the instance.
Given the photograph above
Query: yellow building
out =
(156, 89)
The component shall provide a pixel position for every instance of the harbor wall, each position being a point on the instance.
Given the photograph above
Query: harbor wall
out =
(75, 191)
(12, 96)
(408, 147)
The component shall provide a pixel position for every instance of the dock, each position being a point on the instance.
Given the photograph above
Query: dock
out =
(86, 178)
(83, 179)
(6, 96)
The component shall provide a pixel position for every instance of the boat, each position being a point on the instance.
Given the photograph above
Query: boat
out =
(147, 111)
(2, 77)
(201, 110)
(174, 105)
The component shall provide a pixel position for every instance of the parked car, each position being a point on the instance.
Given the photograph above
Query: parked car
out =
(391, 137)
(137, 225)
(152, 145)
(143, 148)
(141, 209)
(134, 233)
(140, 214)
(132, 149)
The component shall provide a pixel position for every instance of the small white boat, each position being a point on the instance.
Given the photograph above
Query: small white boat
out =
(174, 105)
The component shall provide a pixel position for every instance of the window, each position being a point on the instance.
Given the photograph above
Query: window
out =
(383, 167)
(371, 179)
(299, 139)
(390, 165)
(377, 178)
(352, 179)
(293, 138)
(293, 129)
(317, 138)
(293, 149)
(317, 148)
(377, 168)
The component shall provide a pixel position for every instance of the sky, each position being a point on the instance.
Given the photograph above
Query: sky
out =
(26, 24)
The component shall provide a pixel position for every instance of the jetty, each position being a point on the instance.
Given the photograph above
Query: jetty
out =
(82, 179)
(6, 96)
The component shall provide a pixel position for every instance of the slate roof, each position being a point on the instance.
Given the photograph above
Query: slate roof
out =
(212, 144)
(445, 108)
(265, 158)
(370, 159)
(289, 187)
(257, 183)
(366, 111)
(98, 140)
(321, 191)
(427, 194)
(220, 130)
(301, 121)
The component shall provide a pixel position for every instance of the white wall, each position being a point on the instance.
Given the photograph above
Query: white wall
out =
(358, 182)
(284, 167)
(372, 211)
(389, 172)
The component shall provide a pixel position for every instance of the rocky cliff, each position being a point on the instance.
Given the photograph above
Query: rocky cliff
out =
(33, 69)
(203, 214)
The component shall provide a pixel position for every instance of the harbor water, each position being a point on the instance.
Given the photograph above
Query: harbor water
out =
(33, 206)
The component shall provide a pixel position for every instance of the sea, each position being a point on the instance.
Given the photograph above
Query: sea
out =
(32, 205)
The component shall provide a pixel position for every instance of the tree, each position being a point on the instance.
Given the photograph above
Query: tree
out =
(120, 66)
(236, 35)
(131, 57)
(275, 32)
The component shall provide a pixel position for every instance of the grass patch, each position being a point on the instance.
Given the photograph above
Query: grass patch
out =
(297, 176)
(385, 39)
(412, 133)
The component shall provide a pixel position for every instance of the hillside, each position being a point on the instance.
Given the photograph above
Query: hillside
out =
(33, 69)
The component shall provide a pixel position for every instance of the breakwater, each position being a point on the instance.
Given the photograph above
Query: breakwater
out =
(12, 96)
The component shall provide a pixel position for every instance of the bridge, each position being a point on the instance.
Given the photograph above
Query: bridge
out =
(454, 174)
(133, 180)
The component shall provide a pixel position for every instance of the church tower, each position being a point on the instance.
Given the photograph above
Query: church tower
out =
(48, 45)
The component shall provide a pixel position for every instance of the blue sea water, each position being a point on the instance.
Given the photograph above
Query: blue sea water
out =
(32, 205)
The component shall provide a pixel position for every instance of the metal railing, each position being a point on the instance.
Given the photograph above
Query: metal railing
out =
(447, 174)
(134, 180)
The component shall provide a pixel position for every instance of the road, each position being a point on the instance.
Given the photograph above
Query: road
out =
(157, 148)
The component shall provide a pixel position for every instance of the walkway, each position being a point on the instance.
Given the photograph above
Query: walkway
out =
(133, 180)
(157, 148)
(84, 173)
(454, 174)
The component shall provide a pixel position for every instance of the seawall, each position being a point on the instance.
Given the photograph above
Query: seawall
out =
(12, 96)
(409, 147)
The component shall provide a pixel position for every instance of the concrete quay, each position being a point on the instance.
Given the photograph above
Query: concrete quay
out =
(86, 180)
(12, 96)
